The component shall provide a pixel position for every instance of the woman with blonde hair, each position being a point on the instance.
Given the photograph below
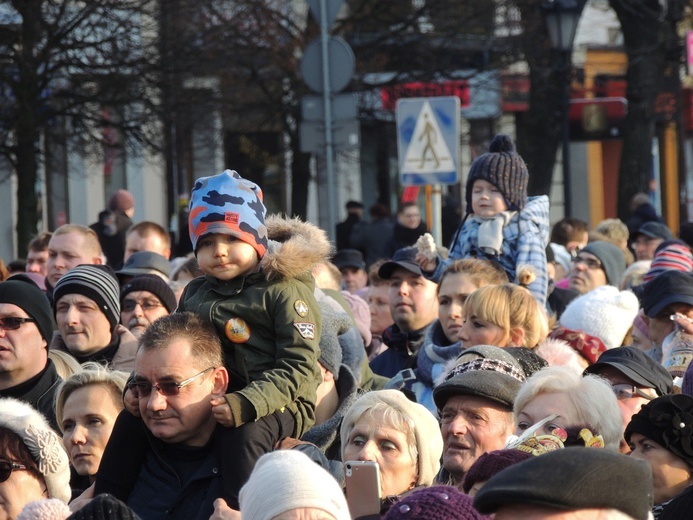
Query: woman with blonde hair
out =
(504, 315)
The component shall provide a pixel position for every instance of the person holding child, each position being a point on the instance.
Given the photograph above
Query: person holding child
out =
(259, 296)
(502, 224)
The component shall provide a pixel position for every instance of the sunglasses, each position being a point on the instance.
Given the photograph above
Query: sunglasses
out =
(625, 391)
(168, 388)
(591, 263)
(13, 322)
(129, 305)
(7, 467)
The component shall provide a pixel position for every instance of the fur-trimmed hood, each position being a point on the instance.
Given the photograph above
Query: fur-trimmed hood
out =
(294, 247)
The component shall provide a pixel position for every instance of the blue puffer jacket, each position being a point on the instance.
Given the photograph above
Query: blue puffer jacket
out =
(525, 239)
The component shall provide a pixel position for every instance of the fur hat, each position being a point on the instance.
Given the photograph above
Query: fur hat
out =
(121, 200)
(429, 442)
(503, 168)
(287, 479)
(230, 205)
(482, 371)
(96, 282)
(434, 503)
(21, 291)
(612, 258)
(667, 420)
(490, 463)
(573, 479)
(604, 312)
(153, 284)
(43, 443)
(674, 255)
(333, 325)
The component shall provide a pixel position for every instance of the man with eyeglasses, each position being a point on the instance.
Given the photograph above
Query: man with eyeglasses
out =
(635, 377)
(598, 263)
(143, 300)
(178, 370)
(26, 328)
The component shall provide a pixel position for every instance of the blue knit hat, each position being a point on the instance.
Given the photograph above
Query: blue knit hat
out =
(230, 205)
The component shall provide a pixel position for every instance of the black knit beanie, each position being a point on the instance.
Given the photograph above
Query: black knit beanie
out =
(153, 284)
(503, 168)
(20, 290)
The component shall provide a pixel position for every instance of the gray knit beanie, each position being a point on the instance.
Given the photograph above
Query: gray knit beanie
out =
(503, 168)
(612, 258)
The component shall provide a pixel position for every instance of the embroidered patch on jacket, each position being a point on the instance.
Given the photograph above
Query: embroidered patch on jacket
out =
(305, 329)
(237, 330)
(301, 308)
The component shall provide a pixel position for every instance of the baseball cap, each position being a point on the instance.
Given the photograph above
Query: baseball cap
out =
(146, 262)
(349, 258)
(666, 289)
(636, 366)
(404, 258)
(654, 230)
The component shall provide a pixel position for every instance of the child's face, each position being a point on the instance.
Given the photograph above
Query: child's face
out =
(225, 257)
(487, 200)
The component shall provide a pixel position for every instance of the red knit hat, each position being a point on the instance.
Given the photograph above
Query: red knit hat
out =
(588, 346)
(121, 200)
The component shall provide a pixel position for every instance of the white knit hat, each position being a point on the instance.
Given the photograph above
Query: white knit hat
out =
(46, 509)
(43, 443)
(287, 479)
(604, 312)
(429, 441)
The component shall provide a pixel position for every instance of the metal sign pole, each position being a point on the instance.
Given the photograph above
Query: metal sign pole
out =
(326, 96)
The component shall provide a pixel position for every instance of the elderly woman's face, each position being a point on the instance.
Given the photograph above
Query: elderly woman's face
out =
(670, 474)
(543, 405)
(88, 417)
(18, 490)
(372, 438)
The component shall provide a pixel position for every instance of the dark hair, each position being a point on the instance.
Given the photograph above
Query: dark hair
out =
(379, 210)
(40, 242)
(567, 230)
(204, 341)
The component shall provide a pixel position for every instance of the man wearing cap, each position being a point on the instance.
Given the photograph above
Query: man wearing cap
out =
(354, 216)
(351, 264)
(669, 294)
(648, 237)
(574, 483)
(145, 262)
(475, 404)
(26, 328)
(598, 263)
(69, 246)
(143, 300)
(87, 311)
(113, 224)
(414, 306)
(147, 236)
(635, 377)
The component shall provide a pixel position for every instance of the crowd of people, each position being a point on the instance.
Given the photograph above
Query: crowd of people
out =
(527, 371)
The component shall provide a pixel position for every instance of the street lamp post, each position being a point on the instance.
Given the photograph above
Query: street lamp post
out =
(561, 18)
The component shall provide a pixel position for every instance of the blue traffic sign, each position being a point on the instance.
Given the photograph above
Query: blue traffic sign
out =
(428, 136)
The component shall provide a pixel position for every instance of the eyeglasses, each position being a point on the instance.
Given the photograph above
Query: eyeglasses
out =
(147, 305)
(625, 391)
(13, 322)
(168, 388)
(591, 263)
(7, 467)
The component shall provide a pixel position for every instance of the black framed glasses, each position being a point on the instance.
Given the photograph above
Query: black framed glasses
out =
(591, 263)
(141, 388)
(625, 391)
(147, 305)
(7, 467)
(13, 322)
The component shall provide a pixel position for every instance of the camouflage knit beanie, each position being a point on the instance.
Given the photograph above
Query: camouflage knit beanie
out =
(230, 205)
(503, 168)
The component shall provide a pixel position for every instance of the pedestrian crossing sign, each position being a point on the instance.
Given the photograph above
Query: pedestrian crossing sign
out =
(428, 136)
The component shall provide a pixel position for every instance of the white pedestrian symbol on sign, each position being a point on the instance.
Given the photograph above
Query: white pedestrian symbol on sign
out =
(427, 152)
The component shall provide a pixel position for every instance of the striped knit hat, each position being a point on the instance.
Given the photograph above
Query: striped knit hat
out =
(670, 255)
(96, 282)
(503, 168)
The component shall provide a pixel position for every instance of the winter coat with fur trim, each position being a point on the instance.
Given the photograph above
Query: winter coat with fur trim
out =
(269, 324)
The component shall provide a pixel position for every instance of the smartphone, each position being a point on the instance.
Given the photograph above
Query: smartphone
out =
(362, 488)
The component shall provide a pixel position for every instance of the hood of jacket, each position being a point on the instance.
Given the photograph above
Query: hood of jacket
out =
(294, 248)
